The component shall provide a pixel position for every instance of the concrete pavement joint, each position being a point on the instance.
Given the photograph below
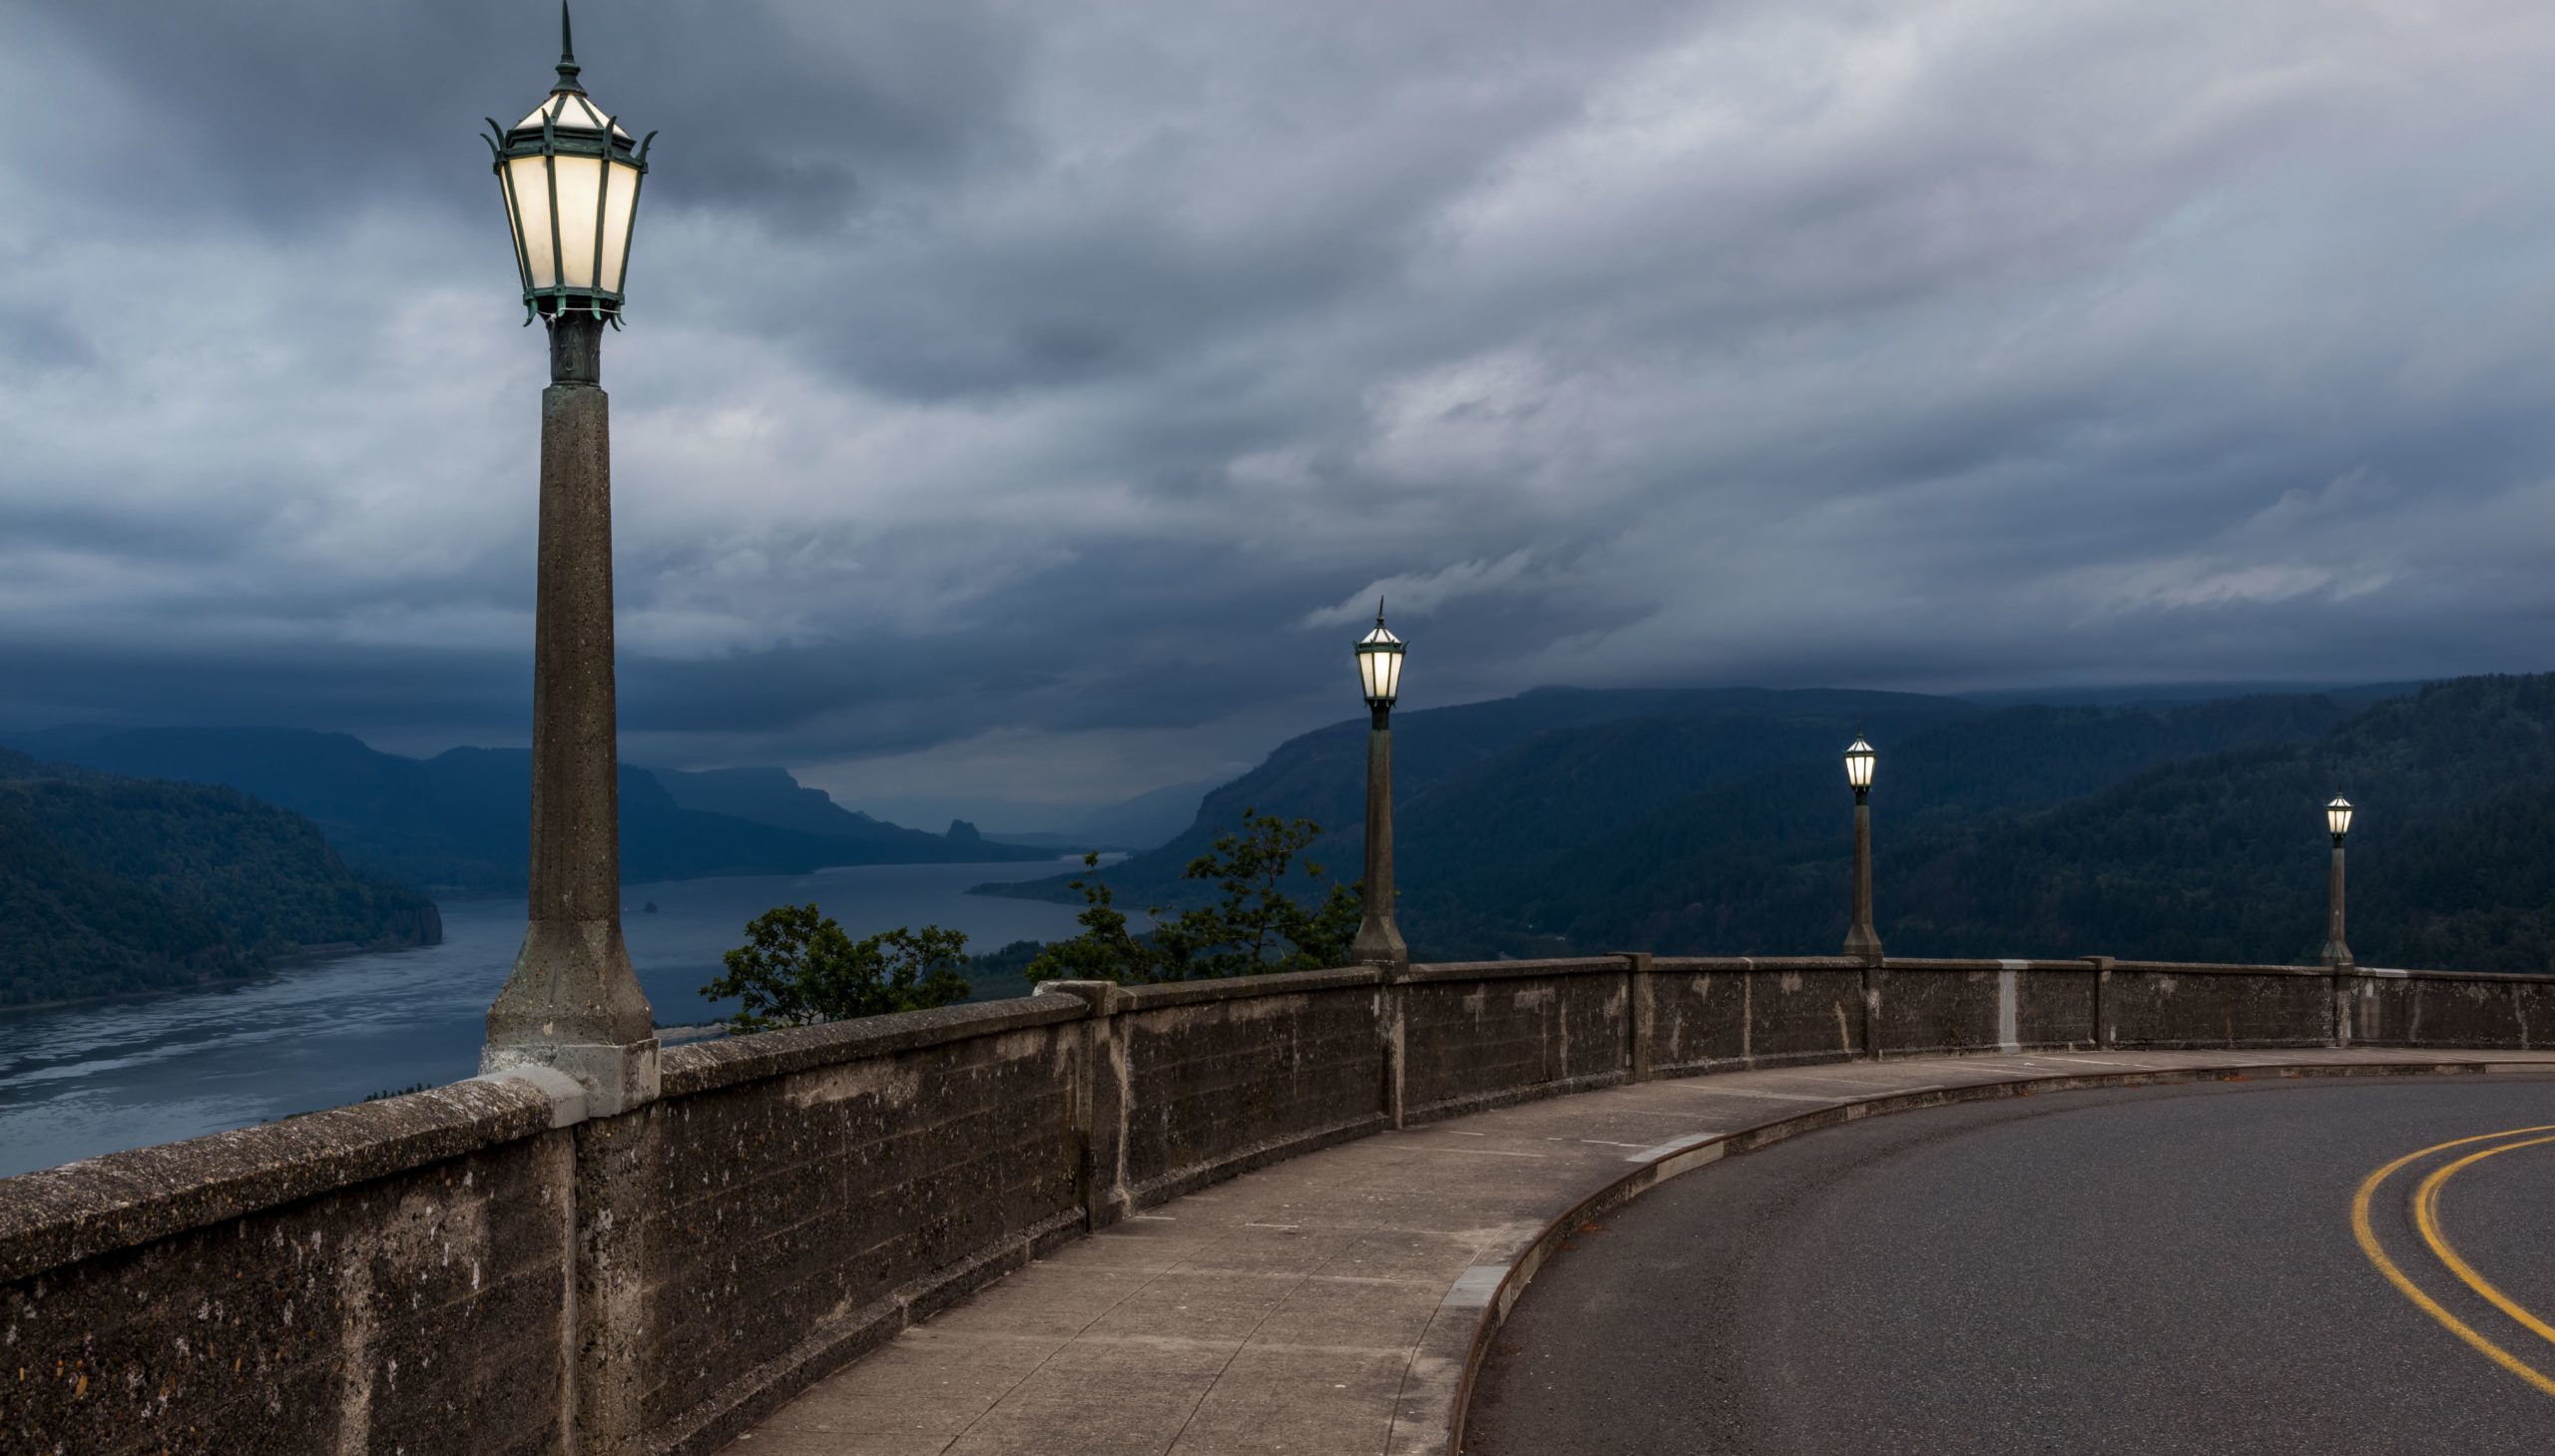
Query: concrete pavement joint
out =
(1244, 1343)
(1754, 1092)
(1083, 1330)
(1659, 1150)
(1475, 1287)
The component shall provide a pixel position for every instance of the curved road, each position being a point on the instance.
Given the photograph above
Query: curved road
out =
(2161, 1270)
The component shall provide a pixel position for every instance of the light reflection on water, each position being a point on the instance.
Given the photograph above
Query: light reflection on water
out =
(78, 1081)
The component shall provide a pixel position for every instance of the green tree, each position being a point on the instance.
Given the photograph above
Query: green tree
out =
(798, 968)
(1254, 926)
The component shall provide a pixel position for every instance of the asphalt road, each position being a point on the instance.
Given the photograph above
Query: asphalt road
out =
(2173, 1269)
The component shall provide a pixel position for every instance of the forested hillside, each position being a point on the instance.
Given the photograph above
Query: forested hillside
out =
(1482, 784)
(1721, 823)
(111, 885)
(1761, 864)
(2222, 858)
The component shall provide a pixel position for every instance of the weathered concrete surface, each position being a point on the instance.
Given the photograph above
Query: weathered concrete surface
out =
(80, 1211)
(2431, 1009)
(781, 1226)
(1334, 1303)
(1480, 1033)
(417, 1310)
(1223, 1075)
(2151, 1005)
(2054, 1004)
(1716, 1014)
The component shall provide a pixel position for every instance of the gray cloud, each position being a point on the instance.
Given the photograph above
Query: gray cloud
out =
(1035, 394)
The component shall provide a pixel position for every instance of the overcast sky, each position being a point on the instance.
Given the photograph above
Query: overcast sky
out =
(1028, 400)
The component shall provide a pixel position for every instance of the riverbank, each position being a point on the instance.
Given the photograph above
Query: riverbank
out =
(309, 955)
(76, 1081)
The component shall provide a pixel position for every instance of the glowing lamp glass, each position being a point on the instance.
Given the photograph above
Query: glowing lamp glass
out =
(570, 177)
(1859, 759)
(1379, 666)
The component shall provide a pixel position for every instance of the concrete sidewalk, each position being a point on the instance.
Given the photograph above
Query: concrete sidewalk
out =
(1330, 1304)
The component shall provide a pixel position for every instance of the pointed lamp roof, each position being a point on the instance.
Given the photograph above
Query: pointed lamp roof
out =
(1380, 636)
(567, 105)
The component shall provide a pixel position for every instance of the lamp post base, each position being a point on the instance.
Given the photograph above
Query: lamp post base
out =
(2336, 954)
(573, 1003)
(1863, 944)
(1378, 943)
(616, 1079)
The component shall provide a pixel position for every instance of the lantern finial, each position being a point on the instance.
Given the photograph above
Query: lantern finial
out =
(567, 54)
(1379, 611)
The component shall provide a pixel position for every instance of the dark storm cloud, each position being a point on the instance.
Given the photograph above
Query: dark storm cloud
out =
(1032, 399)
(281, 115)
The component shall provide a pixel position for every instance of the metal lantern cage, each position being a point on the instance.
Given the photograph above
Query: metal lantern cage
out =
(1859, 760)
(570, 176)
(1380, 663)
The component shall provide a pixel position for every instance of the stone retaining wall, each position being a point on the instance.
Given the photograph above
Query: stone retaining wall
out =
(480, 1269)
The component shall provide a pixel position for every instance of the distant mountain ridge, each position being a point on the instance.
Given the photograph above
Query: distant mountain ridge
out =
(112, 885)
(776, 797)
(770, 795)
(1145, 821)
(460, 822)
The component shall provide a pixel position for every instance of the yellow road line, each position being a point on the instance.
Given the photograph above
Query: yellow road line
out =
(2368, 1236)
(2426, 1218)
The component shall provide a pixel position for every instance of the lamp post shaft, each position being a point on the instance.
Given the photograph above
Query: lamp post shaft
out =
(2337, 951)
(1378, 940)
(573, 1001)
(1862, 941)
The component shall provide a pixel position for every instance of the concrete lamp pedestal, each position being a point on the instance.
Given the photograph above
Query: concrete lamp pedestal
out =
(573, 1002)
(1378, 940)
(1863, 942)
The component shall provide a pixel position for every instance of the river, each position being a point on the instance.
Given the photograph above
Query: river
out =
(77, 1081)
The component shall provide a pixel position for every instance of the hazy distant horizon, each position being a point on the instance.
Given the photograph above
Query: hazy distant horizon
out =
(996, 815)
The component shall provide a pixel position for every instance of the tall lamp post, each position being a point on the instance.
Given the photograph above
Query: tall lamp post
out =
(1378, 940)
(2338, 822)
(570, 177)
(1862, 941)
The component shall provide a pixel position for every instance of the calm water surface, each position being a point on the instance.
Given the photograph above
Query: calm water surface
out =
(83, 1080)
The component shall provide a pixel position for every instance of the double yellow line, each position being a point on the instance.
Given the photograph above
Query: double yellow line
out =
(2426, 1223)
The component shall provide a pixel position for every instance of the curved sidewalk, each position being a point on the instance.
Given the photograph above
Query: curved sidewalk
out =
(1330, 1304)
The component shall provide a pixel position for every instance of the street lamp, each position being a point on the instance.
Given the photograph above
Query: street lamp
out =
(2338, 822)
(1379, 654)
(570, 177)
(1862, 941)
